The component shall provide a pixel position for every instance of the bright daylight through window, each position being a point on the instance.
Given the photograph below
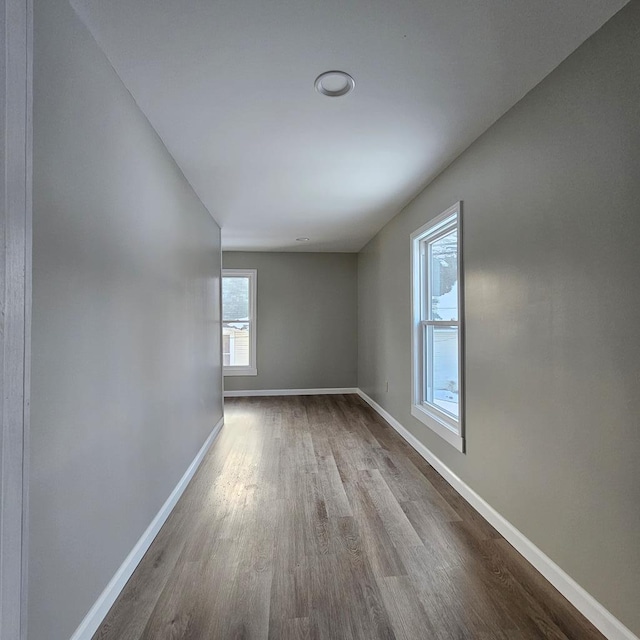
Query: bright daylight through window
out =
(436, 282)
(239, 322)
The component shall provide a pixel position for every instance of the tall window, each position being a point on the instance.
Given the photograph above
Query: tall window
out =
(239, 322)
(437, 336)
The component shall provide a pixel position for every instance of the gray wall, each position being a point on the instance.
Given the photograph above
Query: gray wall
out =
(126, 367)
(551, 247)
(307, 310)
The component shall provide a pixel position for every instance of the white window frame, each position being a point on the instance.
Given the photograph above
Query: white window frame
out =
(252, 275)
(441, 422)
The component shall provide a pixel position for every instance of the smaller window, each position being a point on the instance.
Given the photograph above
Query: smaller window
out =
(239, 322)
(436, 285)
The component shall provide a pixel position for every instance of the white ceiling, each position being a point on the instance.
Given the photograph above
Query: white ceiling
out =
(228, 86)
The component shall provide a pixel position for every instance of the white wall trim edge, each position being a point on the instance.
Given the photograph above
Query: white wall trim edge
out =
(289, 392)
(16, 169)
(101, 607)
(596, 613)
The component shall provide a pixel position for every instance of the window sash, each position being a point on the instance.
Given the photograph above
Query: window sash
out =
(426, 307)
(249, 284)
(428, 371)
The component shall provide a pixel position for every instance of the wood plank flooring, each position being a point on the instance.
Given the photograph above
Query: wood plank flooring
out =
(311, 519)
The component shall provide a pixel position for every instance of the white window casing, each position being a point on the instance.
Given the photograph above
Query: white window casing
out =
(249, 369)
(437, 344)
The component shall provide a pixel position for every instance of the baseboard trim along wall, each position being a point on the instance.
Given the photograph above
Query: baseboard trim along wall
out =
(289, 392)
(101, 607)
(600, 617)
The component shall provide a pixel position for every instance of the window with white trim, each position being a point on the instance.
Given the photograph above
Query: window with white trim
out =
(437, 326)
(239, 322)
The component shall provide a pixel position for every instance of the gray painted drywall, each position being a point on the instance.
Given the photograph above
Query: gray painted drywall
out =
(551, 228)
(126, 380)
(306, 319)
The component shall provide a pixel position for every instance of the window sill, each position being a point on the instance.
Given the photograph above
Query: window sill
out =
(437, 425)
(239, 371)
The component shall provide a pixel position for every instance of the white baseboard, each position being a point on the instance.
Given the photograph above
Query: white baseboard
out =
(583, 601)
(288, 392)
(101, 607)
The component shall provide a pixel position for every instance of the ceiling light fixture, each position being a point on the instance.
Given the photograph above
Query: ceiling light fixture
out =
(334, 83)
(302, 239)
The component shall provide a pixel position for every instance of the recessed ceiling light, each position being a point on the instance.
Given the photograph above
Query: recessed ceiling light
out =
(302, 239)
(334, 83)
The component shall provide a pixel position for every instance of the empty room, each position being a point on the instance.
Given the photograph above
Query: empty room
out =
(320, 320)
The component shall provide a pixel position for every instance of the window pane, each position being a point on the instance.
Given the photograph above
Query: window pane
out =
(443, 272)
(235, 298)
(235, 344)
(441, 364)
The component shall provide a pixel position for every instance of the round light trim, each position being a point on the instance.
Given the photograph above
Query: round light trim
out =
(334, 83)
(302, 239)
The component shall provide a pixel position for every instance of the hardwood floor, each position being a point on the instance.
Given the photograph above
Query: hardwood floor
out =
(311, 519)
